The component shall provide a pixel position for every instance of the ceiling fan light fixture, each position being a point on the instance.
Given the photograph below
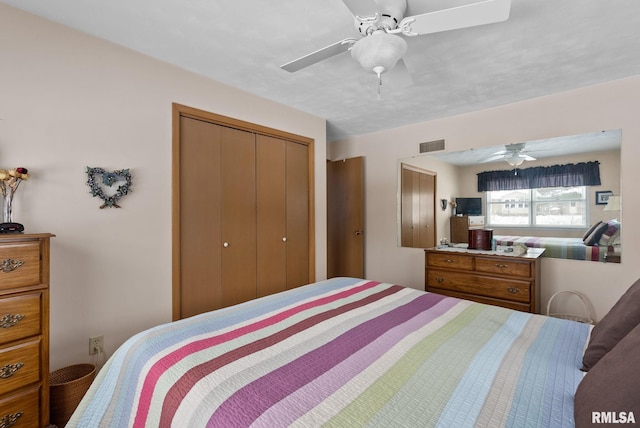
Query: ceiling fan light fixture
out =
(515, 159)
(379, 52)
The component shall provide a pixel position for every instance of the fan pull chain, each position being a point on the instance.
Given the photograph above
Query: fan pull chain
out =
(379, 70)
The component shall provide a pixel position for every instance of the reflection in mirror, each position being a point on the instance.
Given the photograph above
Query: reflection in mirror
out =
(562, 194)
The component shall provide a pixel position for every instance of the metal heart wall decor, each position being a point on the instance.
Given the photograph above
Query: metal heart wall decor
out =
(102, 185)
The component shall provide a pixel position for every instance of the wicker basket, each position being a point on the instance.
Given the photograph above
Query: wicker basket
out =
(586, 318)
(67, 386)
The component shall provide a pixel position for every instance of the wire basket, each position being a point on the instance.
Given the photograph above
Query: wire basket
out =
(586, 318)
(67, 386)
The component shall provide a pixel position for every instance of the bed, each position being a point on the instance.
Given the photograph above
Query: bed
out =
(600, 243)
(561, 248)
(344, 352)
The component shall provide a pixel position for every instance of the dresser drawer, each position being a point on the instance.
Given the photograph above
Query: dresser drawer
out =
(450, 260)
(510, 304)
(23, 408)
(504, 267)
(19, 365)
(20, 317)
(19, 264)
(499, 288)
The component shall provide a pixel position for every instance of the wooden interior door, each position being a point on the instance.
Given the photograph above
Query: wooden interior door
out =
(218, 203)
(298, 203)
(427, 217)
(238, 216)
(406, 208)
(272, 202)
(417, 211)
(345, 218)
(200, 240)
(220, 172)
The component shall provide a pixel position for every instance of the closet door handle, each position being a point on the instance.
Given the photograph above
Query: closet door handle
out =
(225, 245)
(358, 232)
(284, 239)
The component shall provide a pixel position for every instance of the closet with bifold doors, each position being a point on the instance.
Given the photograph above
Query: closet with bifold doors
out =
(242, 201)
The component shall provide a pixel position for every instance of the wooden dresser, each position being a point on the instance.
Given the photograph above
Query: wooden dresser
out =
(491, 277)
(24, 330)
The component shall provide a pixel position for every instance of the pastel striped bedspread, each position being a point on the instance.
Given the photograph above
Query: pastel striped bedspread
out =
(343, 353)
(559, 248)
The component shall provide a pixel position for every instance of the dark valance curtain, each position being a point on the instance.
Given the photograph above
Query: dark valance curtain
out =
(579, 174)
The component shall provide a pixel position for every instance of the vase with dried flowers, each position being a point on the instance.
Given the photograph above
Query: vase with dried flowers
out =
(9, 182)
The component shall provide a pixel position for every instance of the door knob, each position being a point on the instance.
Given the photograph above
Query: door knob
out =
(284, 239)
(358, 232)
(225, 245)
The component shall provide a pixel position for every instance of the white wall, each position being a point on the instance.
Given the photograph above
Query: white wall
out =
(613, 105)
(68, 101)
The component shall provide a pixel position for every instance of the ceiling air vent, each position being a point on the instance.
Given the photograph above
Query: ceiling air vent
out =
(432, 146)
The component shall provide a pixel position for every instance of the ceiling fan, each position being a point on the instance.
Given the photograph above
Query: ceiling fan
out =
(514, 155)
(381, 22)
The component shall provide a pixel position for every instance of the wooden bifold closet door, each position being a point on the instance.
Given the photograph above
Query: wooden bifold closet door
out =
(417, 208)
(283, 212)
(243, 216)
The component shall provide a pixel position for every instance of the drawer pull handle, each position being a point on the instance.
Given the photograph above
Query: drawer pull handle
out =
(9, 320)
(501, 265)
(513, 290)
(10, 420)
(439, 279)
(449, 261)
(9, 265)
(9, 370)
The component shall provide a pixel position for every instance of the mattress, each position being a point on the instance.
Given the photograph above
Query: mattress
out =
(344, 352)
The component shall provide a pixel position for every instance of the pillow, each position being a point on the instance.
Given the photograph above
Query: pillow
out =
(610, 391)
(590, 230)
(595, 235)
(611, 234)
(623, 317)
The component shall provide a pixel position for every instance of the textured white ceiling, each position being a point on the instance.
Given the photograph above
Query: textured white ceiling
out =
(546, 46)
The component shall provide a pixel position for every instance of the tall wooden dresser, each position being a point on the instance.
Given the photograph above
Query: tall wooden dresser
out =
(24, 330)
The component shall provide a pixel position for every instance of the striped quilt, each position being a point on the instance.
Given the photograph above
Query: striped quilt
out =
(343, 353)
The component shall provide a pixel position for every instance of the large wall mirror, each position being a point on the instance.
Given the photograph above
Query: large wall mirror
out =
(572, 219)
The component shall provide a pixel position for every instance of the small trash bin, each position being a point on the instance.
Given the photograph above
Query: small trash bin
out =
(585, 318)
(67, 386)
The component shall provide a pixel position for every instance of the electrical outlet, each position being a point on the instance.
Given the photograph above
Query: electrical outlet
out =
(96, 344)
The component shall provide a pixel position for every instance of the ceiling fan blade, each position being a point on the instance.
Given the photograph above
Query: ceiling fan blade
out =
(494, 158)
(319, 55)
(484, 12)
(361, 7)
(527, 157)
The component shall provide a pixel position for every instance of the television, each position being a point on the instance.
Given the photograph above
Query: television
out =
(468, 206)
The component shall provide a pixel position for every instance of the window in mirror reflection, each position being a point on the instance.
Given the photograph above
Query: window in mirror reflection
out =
(548, 207)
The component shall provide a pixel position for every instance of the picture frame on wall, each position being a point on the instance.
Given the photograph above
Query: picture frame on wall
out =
(603, 197)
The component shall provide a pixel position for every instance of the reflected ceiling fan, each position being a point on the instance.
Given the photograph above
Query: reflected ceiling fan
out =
(382, 22)
(514, 154)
